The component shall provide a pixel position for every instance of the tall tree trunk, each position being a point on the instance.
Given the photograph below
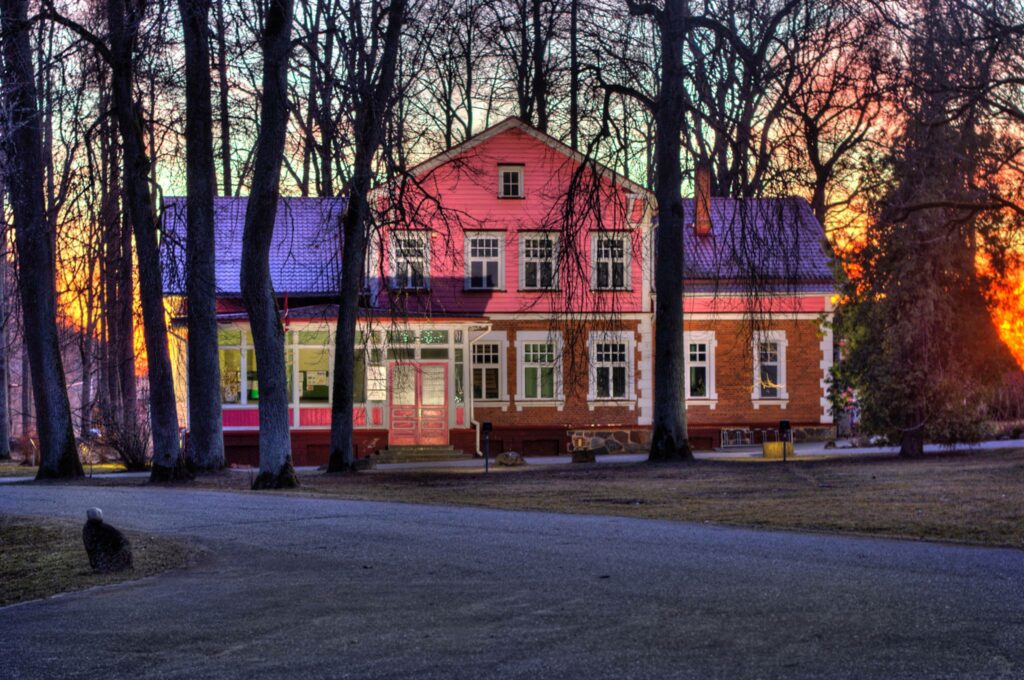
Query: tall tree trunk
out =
(5, 376)
(58, 454)
(206, 434)
(85, 406)
(26, 386)
(540, 78)
(669, 439)
(125, 340)
(574, 75)
(222, 92)
(369, 127)
(276, 469)
(326, 122)
(123, 25)
(912, 442)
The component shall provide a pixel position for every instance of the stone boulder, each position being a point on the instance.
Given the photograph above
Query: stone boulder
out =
(109, 550)
(510, 458)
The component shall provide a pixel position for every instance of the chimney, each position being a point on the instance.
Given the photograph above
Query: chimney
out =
(702, 202)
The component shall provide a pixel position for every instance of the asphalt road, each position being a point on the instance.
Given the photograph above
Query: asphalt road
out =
(305, 588)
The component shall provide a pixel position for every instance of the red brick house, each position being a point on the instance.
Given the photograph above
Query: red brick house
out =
(498, 299)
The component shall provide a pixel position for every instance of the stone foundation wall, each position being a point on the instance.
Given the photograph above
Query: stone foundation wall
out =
(610, 441)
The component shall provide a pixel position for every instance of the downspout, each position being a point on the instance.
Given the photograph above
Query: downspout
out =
(469, 394)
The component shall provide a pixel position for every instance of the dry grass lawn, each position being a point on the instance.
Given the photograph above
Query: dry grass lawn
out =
(967, 498)
(44, 557)
(12, 469)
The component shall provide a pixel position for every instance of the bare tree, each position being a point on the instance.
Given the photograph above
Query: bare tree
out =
(206, 438)
(119, 52)
(373, 62)
(23, 139)
(669, 440)
(5, 379)
(276, 469)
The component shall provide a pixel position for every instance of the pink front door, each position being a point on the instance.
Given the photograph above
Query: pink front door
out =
(419, 405)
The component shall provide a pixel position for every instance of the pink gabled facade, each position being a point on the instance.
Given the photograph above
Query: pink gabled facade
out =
(456, 196)
(493, 301)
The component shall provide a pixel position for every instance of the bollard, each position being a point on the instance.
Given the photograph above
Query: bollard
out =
(486, 429)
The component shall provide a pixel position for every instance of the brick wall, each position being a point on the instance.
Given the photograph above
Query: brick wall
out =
(576, 411)
(734, 375)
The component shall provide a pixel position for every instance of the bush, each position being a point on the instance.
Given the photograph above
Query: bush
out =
(131, 441)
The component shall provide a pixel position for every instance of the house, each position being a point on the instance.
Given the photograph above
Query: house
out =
(497, 295)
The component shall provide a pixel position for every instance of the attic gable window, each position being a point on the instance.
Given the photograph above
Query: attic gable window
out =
(510, 181)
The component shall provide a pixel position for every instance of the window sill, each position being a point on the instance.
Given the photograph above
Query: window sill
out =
(491, 403)
(781, 402)
(523, 402)
(483, 290)
(597, 403)
(539, 290)
(612, 290)
(710, 402)
(510, 198)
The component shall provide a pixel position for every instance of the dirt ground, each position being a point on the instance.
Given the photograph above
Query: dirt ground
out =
(44, 557)
(967, 498)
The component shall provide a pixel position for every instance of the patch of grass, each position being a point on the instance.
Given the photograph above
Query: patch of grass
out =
(11, 469)
(45, 557)
(975, 497)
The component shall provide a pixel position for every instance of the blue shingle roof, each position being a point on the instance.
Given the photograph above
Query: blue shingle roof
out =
(304, 260)
(767, 239)
(759, 241)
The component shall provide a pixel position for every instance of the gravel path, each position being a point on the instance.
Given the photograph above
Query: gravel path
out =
(308, 588)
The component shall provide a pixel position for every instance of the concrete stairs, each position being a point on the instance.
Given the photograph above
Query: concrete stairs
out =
(419, 454)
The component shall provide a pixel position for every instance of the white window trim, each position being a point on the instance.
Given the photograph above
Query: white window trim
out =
(499, 338)
(708, 338)
(626, 338)
(467, 261)
(511, 167)
(424, 237)
(524, 338)
(627, 255)
(782, 399)
(556, 280)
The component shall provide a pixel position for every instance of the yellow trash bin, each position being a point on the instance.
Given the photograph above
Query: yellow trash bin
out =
(774, 449)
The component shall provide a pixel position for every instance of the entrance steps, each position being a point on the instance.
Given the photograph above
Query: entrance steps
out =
(419, 454)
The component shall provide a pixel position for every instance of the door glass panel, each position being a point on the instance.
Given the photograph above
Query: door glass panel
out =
(314, 373)
(403, 385)
(433, 386)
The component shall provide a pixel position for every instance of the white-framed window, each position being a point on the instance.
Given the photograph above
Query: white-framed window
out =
(487, 365)
(611, 367)
(411, 258)
(485, 261)
(539, 366)
(538, 261)
(315, 367)
(510, 181)
(770, 365)
(700, 365)
(610, 257)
